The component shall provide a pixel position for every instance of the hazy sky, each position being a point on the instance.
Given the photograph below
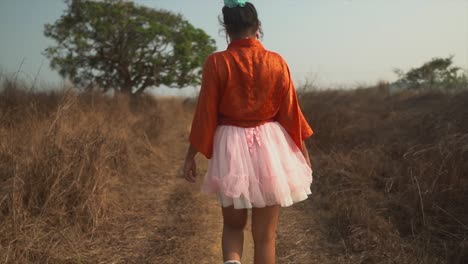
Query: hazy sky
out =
(331, 42)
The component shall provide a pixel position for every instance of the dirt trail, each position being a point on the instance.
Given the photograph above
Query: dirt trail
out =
(187, 230)
(172, 222)
(196, 218)
(191, 229)
(176, 223)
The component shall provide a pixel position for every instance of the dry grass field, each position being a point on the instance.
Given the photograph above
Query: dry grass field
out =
(391, 175)
(94, 179)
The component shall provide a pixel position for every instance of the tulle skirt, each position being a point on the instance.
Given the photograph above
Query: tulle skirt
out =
(257, 167)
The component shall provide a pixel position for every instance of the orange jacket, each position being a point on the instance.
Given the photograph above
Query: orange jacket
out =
(246, 86)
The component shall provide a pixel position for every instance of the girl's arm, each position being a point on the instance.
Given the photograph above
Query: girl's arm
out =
(190, 166)
(205, 119)
(191, 152)
(290, 115)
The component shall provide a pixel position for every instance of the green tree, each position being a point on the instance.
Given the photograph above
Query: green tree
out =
(437, 73)
(116, 44)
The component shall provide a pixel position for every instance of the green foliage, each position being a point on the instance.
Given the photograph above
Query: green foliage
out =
(116, 44)
(437, 73)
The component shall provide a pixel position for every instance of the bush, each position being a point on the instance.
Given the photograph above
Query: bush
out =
(435, 74)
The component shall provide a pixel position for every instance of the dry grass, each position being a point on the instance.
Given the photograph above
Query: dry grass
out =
(62, 160)
(391, 177)
(92, 179)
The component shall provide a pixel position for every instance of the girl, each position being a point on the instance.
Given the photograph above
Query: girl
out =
(249, 124)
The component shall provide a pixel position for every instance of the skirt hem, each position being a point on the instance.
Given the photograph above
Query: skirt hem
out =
(243, 203)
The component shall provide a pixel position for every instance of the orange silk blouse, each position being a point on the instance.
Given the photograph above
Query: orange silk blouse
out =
(246, 85)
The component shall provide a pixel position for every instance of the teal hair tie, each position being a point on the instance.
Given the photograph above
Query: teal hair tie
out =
(234, 3)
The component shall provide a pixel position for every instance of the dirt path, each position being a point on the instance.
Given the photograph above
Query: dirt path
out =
(194, 220)
(165, 219)
(193, 223)
(187, 230)
(173, 222)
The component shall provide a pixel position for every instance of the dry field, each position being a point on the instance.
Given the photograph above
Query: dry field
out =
(391, 175)
(94, 179)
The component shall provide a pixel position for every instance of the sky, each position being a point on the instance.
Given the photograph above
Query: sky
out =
(331, 43)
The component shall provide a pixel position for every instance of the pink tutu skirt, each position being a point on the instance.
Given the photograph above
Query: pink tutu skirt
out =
(257, 167)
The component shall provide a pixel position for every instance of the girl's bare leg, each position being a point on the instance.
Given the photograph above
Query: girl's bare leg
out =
(264, 223)
(235, 221)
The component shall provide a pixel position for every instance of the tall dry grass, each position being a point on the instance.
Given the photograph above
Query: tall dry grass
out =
(391, 177)
(391, 173)
(63, 160)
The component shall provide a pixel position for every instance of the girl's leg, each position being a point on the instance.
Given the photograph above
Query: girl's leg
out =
(264, 222)
(235, 221)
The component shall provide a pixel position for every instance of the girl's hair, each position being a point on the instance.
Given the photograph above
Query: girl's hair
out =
(239, 20)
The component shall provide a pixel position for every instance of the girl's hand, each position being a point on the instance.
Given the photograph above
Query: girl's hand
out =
(190, 169)
(190, 166)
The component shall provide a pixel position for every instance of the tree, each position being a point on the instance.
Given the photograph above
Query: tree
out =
(116, 44)
(437, 73)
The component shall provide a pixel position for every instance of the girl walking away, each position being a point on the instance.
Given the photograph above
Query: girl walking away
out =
(249, 124)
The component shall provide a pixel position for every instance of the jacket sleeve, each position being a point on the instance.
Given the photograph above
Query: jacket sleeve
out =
(205, 119)
(290, 115)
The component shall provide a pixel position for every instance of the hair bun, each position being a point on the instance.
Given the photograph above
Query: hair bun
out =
(234, 3)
